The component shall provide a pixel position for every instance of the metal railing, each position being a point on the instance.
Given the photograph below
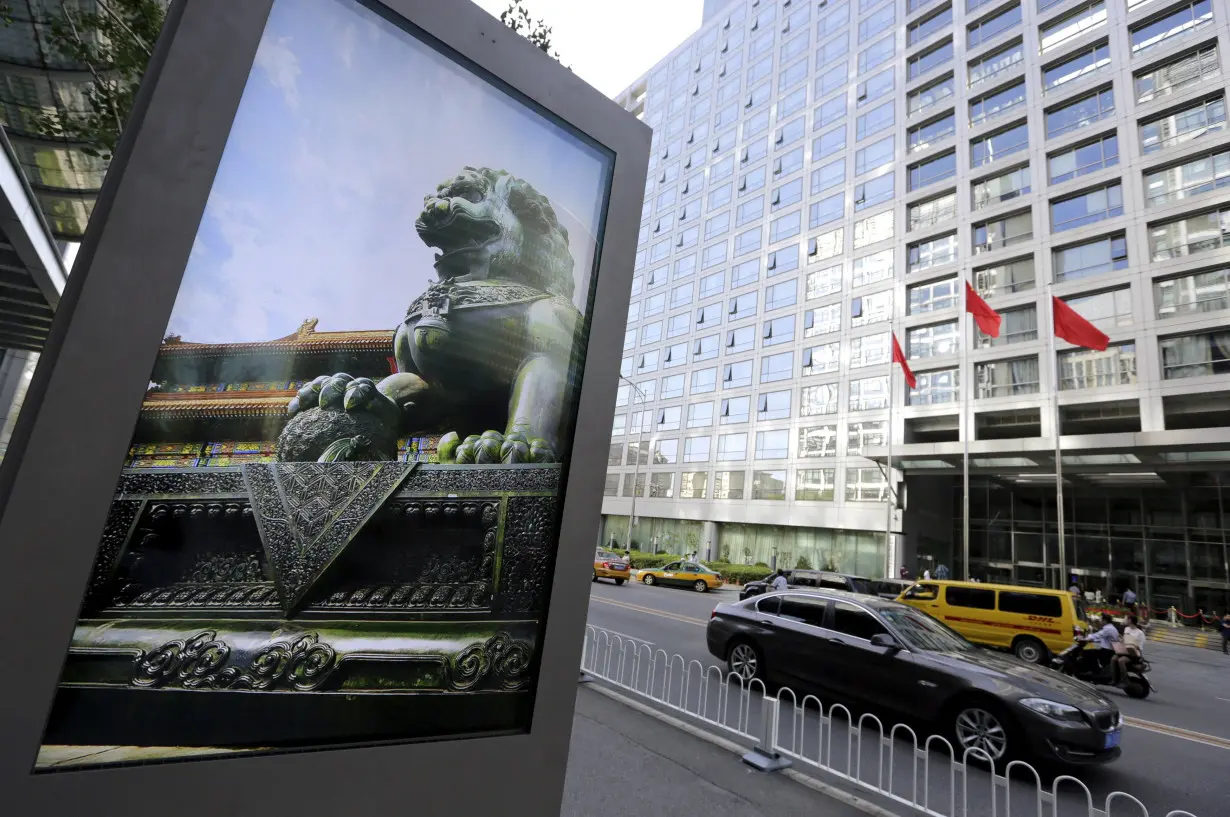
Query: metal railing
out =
(927, 775)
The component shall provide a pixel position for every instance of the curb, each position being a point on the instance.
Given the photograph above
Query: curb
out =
(865, 806)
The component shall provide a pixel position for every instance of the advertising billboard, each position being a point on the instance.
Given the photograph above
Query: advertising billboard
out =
(337, 519)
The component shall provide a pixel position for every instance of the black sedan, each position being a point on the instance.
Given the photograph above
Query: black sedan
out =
(885, 656)
(823, 579)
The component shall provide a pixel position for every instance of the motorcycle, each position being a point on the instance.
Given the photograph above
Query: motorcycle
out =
(1089, 666)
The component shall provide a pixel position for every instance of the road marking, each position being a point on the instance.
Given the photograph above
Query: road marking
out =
(1227, 700)
(1176, 732)
(650, 611)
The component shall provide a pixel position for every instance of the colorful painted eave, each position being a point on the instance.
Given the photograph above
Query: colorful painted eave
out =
(216, 404)
(305, 339)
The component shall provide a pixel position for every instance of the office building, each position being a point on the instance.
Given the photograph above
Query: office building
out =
(827, 174)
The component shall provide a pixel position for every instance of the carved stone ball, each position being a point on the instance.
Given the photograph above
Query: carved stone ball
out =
(309, 433)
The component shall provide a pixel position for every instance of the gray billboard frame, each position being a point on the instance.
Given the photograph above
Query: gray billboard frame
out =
(86, 394)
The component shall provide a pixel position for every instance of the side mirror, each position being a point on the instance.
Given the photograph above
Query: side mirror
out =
(885, 641)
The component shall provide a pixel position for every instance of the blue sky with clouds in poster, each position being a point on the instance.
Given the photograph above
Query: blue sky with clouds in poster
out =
(345, 124)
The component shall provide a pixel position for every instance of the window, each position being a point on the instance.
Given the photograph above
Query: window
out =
(1204, 291)
(781, 295)
(826, 210)
(720, 196)
(736, 410)
(696, 449)
(1192, 122)
(992, 26)
(997, 145)
(866, 485)
(717, 225)
(737, 375)
(710, 315)
(817, 400)
(772, 445)
(1190, 234)
(612, 485)
(850, 619)
(1197, 355)
(668, 418)
(935, 340)
(713, 255)
(826, 245)
(727, 484)
(705, 348)
(742, 306)
(761, 68)
(722, 169)
(930, 133)
(865, 434)
(703, 380)
(710, 285)
(821, 359)
(778, 331)
(929, 95)
(732, 447)
(932, 296)
(832, 22)
(970, 597)
(655, 304)
(935, 388)
(780, 229)
(666, 452)
(814, 484)
(873, 229)
(744, 273)
(822, 320)
(874, 121)
(700, 415)
(1087, 208)
(832, 50)
(930, 171)
(928, 212)
(829, 175)
(873, 308)
(829, 143)
(869, 393)
(789, 162)
(1173, 23)
(874, 88)
(832, 79)
(999, 188)
(751, 182)
(1191, 178)
(790, 133)
(1005, 378)
(685, 266)
(638, 489)
(924, 27)
(688, 237)
(873, 192)
(794, 101)
(651, 333)
(1087, 369)
(776, 367)
(747, 242)
(878, 54)
(1002, 232)
(1084, 158)
(988, 106)
(818, 441)
(1071, 68)
(1093, 257)
(1006, 277)
(1075, 23)
(662, 486)
(876, 22)
(783, 196)
(929, 59)
(625, 366)
(874, 156)
(996, 63)
(784, 260)
(681, 295)
(1177, 74)
(740, 340)
(931, 253)
(870, 350)
(1080, 112)
(830, 111)
(642, 423)
(869, 269)
(1030, 604)
(823, 282)
(1018, 326)
(793, 75)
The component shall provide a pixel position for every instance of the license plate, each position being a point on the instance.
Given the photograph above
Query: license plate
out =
(1112, 739)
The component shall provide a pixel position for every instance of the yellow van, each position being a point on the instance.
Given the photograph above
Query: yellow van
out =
(1033, 622)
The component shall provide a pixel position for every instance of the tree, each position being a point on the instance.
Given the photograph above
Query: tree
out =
(518, 18)
(114, 44)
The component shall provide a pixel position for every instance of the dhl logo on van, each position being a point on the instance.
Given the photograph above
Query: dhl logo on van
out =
(1006, 625)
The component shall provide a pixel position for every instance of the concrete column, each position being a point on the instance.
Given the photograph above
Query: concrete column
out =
(710, 548)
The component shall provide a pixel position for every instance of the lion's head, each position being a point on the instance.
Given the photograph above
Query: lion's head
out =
(484, 219)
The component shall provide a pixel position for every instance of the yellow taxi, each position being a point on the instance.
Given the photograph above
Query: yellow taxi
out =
(1032, 622)
(683, 573)
(608, 565)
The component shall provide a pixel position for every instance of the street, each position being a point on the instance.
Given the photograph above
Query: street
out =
(1175, 749)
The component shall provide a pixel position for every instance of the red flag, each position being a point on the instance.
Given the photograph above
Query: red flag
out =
(1070, 326)
(899, 357)
(988, 319)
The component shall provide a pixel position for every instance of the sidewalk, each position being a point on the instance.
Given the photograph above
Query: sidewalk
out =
(623, 762)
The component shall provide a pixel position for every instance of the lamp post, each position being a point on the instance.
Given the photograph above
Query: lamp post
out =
(636, 464)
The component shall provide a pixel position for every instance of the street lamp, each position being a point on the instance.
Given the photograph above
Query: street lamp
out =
(636, 465)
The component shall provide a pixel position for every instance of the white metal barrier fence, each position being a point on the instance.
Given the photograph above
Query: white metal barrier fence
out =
(936, 781)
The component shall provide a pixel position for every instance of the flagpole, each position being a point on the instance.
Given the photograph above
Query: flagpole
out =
(966, 430)
(888, 472)
(1054, 362)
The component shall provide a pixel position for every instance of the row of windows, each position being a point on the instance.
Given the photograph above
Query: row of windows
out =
(810, 485)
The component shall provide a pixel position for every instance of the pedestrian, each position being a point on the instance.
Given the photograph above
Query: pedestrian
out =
(926, 575)
(941, 572)
(1075, 589)
(1129, 597)
(1224, 626)
(779, 581)
(905, 572)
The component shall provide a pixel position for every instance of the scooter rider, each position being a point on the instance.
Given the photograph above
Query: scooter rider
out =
(1104, 640)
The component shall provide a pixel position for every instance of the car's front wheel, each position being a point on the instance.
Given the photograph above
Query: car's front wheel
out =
(649, 579)
(984, 730)
(745, 661)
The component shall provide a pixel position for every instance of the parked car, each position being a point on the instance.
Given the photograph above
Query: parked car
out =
(609, 565)
(683, 574)
(810, 578)
(890, 588)
(1033, 622)
(887, 656)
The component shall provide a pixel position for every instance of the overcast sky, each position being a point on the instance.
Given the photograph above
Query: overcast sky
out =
(345, 124)
(609, 43)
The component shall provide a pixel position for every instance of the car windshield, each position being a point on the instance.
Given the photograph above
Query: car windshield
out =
(920, 631)
(1082, 612)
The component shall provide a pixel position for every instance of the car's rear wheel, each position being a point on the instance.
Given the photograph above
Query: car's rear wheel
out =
(619, 581)
(984, 728)
(1030, 650)
(649, 579)
(745, 661)
(595, 575)
(699, 586)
